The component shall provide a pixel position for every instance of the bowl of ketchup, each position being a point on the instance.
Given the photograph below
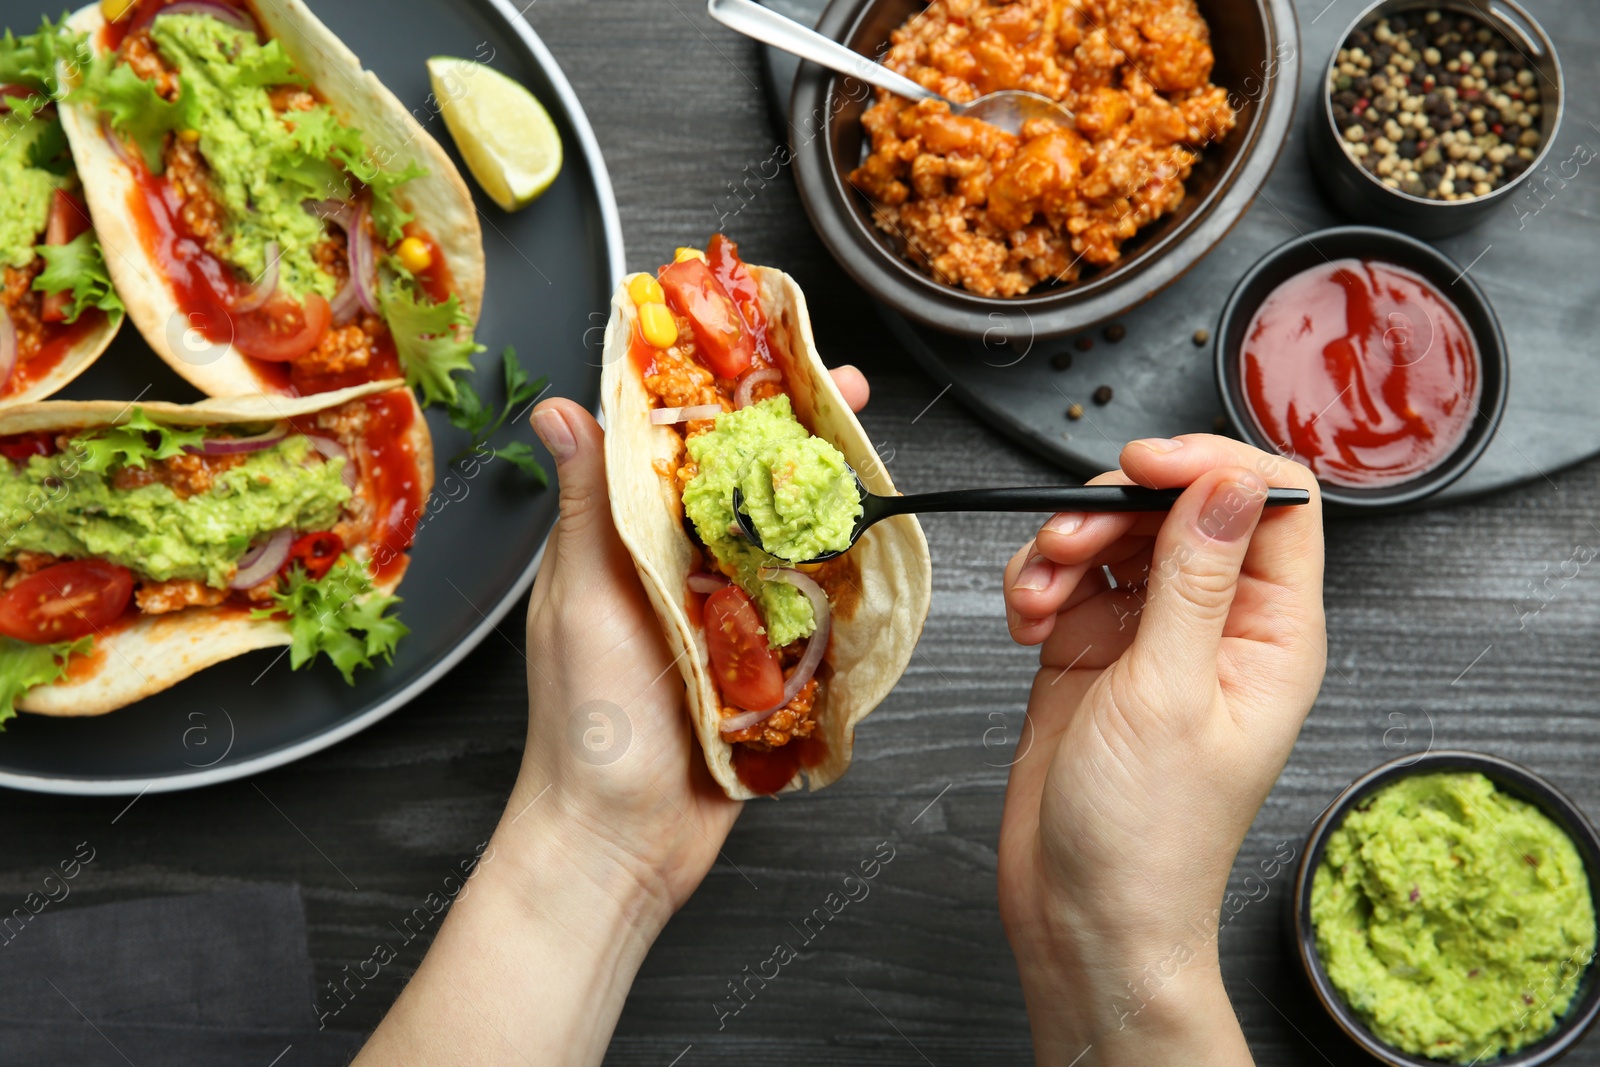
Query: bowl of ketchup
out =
(1369, 357)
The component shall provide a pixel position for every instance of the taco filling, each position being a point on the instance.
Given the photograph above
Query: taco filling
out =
(56, 290)
(294, 520)
(703, 351)
(275, 221)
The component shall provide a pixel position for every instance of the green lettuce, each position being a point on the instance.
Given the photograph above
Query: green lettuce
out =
(433, 341)
(134, 107)
(132, 444)
(24, 666)
(79, 268)
(340, 615)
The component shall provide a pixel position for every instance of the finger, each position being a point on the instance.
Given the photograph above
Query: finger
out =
(585, 537)
(852, 386)
(1096, 632)
(1027, 565)
(1073, 537)
(1193, 575)
(1031, 597)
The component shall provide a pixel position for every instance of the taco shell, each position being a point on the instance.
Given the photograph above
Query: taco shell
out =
(159, 651)
(440, 200)
(873, 636)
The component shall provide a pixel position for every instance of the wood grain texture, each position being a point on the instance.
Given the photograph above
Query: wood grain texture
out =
(919, 970)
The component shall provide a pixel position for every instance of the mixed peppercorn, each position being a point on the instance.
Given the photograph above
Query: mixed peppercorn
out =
(1437, 106)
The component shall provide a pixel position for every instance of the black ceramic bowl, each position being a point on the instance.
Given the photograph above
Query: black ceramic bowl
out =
(1518, 782)
(1364, 197)
(1363, 242)
(1257, 60)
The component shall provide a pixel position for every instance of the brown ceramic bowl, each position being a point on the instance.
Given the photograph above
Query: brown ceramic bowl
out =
(1257, 60)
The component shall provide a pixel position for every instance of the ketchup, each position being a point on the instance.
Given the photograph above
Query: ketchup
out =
(766, 771)
(1363, 371)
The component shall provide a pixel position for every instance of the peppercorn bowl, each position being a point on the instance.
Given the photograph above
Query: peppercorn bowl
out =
(1418, 131)
(1515, 781)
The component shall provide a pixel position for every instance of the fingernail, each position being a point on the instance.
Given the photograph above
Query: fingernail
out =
(1065, 524)
(553, 430)
(1160, 444)
(1013, 619)
(1035, 575)
(1231, 510)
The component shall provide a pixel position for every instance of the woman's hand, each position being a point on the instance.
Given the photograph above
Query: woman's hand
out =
(1165, 706)
(613, 821)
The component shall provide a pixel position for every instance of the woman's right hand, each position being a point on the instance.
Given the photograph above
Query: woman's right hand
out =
(1164, 708)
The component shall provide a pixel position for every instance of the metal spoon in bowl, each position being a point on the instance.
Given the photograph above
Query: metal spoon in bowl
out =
(1051, 498)
(1008, 109)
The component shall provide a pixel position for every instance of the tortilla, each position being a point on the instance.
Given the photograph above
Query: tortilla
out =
(872, 641)
(440, 200)
(158, 651)
(74, 362)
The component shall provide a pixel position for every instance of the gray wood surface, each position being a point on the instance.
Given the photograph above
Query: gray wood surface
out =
(1432, 620)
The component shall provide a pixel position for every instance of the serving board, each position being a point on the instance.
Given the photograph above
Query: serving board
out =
(1534, 260)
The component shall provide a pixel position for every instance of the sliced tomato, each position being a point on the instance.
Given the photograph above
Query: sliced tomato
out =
(747, 672)
(282, 331)
(736, 279)
(316, 552)
(66, 601)
(18, 447)
(725, 345)
(68, 219)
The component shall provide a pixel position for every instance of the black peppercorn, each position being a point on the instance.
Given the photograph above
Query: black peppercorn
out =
(1061, 361)
(1102, 395)
(1116, 332)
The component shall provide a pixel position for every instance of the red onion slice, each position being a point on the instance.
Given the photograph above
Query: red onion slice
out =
(745, 394)
(705, 582)
(264, 560)
(263, 289)
(338, 212)
(332, 449)
(669, 416)
(233, 446)
(8, 347)
(816, 648)
(362, 260)
(233, 16)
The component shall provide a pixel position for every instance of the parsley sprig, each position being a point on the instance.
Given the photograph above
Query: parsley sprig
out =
(467, 412)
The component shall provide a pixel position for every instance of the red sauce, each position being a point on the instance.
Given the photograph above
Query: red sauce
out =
(642, 352)
(59, 339)
(1363, 371)
(437, 281)
(766, 772)
(395, 480)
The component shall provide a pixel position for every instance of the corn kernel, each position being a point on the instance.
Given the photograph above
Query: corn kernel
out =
(415, 255)
(646, 290)
(658, 325)
(808, 568)
(115, 9)
(189, 136)
(688, 253)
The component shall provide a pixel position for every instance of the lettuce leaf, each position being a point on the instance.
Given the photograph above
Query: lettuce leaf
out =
(129, 445)
(136, 110)
(31, 59)
(429, 339)
(340, 615)
(24, 667)
(79, 268)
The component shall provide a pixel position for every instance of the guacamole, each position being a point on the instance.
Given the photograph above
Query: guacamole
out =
(51, 505)
(798, 491)
(1455, 919)
(26, 190)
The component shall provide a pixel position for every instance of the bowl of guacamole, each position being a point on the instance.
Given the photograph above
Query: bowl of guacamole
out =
(1444, 912)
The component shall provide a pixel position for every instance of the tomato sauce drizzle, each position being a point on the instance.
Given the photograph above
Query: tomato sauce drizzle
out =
(395, 479)
(60, 339)
(767, 771)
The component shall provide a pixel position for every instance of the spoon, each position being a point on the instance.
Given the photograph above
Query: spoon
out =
(1052, 498)
(1008, 109)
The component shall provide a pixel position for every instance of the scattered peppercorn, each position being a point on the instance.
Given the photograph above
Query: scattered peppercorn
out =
(1220, 424)
(1202, 335)
(1438, 108)
(1102, 395)
(1116, 332)
(1061, 361)
(1075, 412)
(1084, 343)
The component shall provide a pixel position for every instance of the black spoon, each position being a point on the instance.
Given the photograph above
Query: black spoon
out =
(1051, 498)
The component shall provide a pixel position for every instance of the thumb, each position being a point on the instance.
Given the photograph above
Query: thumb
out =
(577, 443)
(1194, 573)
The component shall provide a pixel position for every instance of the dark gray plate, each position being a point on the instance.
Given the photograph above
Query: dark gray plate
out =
(551, 270)
(1531, 259)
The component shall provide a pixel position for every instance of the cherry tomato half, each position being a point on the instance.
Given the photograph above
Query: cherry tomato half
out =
(730, 270)
(747, 672)
(282, 331)
(68, 219)
(65, 601)
(316, 552)
(725, 345)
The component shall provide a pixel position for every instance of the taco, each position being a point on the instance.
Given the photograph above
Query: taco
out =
(711, 381)
(60, 311)
(282, 224)
(140, 543)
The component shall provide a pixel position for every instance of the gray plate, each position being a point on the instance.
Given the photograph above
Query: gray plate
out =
(1532, 260)
(551, 271)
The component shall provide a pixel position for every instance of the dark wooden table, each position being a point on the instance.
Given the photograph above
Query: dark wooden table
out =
(1451, 627)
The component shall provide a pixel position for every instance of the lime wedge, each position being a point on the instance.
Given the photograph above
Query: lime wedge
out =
(504, 133)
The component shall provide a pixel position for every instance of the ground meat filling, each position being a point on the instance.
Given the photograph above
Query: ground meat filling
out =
(1000, 214)
(186, 475)
(24, 305)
